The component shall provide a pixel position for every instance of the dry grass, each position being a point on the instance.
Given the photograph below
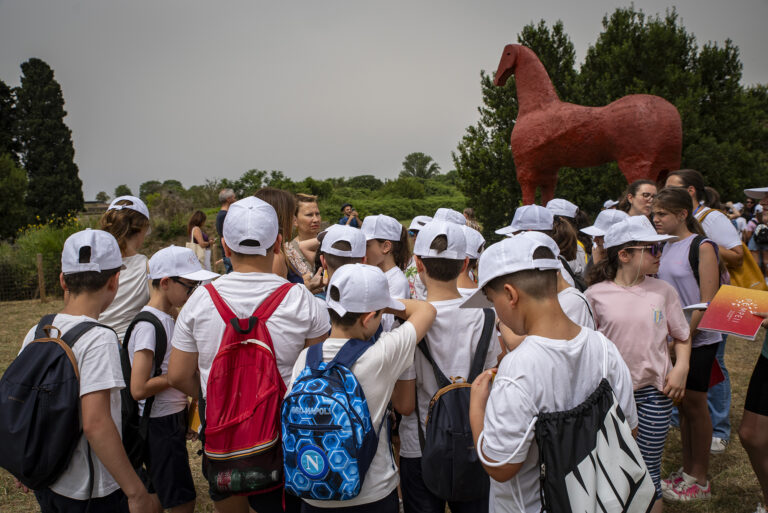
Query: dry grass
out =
(735, 488)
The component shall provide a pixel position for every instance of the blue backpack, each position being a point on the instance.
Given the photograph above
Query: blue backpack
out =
(328, 437)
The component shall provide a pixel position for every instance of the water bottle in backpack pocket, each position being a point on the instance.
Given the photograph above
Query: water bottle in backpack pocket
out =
(328, 437)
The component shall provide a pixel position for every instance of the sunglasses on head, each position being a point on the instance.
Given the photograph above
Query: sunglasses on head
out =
(653, 249)
(189, 286)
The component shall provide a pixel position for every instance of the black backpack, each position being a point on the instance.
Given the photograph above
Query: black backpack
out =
(135, 426)
(761, 234)
(40, 422)
(449, 463)
(578, 281)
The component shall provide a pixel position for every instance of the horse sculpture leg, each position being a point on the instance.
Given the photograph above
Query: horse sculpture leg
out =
(527, 186)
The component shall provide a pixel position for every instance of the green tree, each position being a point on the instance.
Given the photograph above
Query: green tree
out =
(8, 141)
(13, 183)
(173, 186)
(419, 165)
(122, 190)
(102, 197)
(45, 144)
(250, 182)
(404, 187)
(369, 182)
(149, 187)
(278, 180)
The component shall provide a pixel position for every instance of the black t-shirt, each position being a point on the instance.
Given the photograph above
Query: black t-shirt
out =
(220, 227)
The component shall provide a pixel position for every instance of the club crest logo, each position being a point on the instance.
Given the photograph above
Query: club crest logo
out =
(658, 316)
(313, 462)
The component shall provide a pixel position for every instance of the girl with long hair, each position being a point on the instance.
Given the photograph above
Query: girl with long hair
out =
(637, 199)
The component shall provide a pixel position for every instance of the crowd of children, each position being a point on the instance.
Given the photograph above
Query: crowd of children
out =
(485, 362)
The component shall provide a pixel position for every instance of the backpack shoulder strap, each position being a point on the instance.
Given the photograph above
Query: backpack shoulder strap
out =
(269, 305)
(693, 255)
(442, 381)
(161, 338)
(704, 213)
(47, 320)
(222, 307)
(73, 335)
(567, 267)
(347, 355)
(478, 362)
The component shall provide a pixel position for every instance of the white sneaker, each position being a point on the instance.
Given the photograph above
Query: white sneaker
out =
(760, 509)
(718, 445)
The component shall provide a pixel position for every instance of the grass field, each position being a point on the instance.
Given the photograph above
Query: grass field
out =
(735, 488)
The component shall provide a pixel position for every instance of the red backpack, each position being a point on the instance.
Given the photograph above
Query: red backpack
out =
(241, 412)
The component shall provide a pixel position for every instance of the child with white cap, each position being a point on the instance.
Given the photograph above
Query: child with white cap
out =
(638, 313)
(415, 286)
(90, 267)
(562, 208)
(441, 256)
(604, 220)
(340, 245)
(174, 273)
(127, 219)
(387, 249)
(557, 367)
(357, 296)
(251, 240)
(475, 243)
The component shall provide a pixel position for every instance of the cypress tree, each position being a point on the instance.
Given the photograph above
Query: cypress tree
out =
(45, 142)
(8, 142)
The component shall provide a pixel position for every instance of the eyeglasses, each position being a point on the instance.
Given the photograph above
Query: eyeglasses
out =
(647, 195)
(653, 249)
(189, 286)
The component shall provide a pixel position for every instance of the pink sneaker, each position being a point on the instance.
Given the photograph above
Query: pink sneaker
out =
(688, 490)
(672, 480)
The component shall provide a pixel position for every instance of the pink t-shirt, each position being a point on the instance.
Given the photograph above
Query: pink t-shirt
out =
(638, 319)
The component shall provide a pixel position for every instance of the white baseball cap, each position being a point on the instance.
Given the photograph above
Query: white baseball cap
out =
(633, 229)
(758, 209)
(511, 255)
(450, 215)
(251, 226)
(178, 261)
(136, 204)
(340, 232)
(738, 206)
(604, 220)
(418, 222)
(90, 250)
(457, 245)
(475, 241)
(610, 203)
(360, 288)
(756, 193)
(542, 238)
(529, 217)
(562, 207)
(381, 227)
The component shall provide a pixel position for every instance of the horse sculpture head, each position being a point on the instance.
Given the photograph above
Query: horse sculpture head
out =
(506, 65)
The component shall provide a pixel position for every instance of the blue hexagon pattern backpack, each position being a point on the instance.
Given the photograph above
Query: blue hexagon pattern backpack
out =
(328, 437)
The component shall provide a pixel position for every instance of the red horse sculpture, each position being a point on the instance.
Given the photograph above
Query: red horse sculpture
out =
(641, 132)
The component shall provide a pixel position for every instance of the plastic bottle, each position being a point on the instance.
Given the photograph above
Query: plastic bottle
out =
(245, 480)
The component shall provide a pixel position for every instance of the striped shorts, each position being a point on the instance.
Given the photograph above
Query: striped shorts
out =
(654, 411)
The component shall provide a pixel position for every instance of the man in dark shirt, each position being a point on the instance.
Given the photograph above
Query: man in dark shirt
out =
(226, 198)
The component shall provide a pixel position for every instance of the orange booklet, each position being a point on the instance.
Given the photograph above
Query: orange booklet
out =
(731, 311)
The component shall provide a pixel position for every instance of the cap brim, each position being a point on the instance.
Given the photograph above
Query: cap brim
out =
(394, 304)
(593, 231)
(477, 300)
(507, 230)
(201, 275)
(659, 238)
(756, 193)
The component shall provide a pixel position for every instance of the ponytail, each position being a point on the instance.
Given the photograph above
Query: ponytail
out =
(400, 250)
(123, 223)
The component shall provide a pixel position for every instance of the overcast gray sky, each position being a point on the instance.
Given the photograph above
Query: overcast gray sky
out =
(194, 89)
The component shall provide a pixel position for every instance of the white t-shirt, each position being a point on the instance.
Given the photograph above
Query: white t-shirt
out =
(465, 293)
(98, 359)
(452, 341)
(579, 264)
(719, 228)
(199, 327)
(544, 375)
(170, 400)
(376, 371)
(576, 307)
(566, 275)
(741, 225)
(132, 295)
(398, 289)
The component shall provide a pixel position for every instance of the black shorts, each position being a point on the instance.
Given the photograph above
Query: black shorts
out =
(757, 393)
(168, 462)
(700, 369)
(52, 502)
